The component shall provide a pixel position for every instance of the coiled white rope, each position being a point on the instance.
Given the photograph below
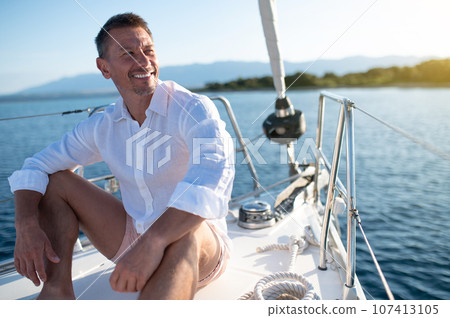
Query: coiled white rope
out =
(286, 285)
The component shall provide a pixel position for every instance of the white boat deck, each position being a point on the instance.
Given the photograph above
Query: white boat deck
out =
(247, 267)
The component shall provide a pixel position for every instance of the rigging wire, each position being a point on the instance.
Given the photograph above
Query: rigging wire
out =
(407, 135)
(49, 114)
(68, 112)
(375, 261)
(6, 200)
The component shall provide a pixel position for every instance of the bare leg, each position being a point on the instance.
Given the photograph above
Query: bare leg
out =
(185, 262)
(71, 202)
(60, 224)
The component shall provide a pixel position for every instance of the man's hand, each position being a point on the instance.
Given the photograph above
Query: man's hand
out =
(32, 245)
(134, 270)
(136, 267)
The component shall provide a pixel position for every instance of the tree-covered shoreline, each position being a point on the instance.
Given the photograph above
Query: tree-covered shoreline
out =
(433, 73)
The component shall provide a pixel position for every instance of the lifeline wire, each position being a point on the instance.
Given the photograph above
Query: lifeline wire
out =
(49, 114)
(405, 134)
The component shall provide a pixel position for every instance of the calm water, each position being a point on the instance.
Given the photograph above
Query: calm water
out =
(403, 191)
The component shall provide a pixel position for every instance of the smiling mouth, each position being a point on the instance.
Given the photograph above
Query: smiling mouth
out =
(144, 75)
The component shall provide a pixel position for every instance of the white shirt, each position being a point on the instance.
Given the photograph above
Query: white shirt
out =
(180, 157)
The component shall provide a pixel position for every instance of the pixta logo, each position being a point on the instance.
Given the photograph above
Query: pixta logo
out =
(143, 147)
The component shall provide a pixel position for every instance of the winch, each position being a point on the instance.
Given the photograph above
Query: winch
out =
(256, 215)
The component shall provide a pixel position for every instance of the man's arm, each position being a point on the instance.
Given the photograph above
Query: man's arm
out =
(30, 183)
(31, 242)
(135, 268)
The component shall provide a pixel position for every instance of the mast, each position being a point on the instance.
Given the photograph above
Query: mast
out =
(287, 124)
(268, 12)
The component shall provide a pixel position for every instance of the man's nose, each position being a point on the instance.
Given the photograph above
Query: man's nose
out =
(142, 60)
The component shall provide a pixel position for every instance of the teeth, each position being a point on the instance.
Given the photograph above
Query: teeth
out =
(142, 75)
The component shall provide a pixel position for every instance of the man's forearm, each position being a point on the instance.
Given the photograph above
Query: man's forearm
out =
(171, 226)
(26, 202)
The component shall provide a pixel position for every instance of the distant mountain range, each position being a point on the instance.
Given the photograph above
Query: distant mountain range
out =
(198, 75)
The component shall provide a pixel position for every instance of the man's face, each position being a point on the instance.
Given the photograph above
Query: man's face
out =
(130, 61)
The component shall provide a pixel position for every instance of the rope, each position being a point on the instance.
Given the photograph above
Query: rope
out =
(407, 135)
(286, 285)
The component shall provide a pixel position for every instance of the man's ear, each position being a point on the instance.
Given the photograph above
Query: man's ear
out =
(102, 65)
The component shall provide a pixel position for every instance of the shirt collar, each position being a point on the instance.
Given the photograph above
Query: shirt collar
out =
(120, 111)
(158, 104)
(160, 100)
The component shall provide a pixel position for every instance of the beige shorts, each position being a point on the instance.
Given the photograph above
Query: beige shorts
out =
(131, 237)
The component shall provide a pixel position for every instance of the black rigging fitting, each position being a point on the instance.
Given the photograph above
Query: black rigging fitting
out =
(286, 124)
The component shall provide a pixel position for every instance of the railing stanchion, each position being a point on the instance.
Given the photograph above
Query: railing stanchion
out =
(351, 195)
(238, 133)
(319, 147)
(331, 189)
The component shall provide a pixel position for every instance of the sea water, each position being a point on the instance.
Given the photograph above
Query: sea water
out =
(402, 190)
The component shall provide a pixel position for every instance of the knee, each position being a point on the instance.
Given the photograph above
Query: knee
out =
(58, 178)
(185, 245)
(185, 251)
(55, 214)
(56, 182)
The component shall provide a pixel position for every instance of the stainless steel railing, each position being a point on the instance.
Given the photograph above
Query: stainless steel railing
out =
(346, 123)
(238, 133)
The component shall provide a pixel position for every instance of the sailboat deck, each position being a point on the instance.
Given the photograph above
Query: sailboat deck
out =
(247, 267)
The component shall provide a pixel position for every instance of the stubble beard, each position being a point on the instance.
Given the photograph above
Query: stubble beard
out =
(146, 91)
(143, 92)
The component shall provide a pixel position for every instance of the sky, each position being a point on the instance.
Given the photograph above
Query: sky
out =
(45, 40)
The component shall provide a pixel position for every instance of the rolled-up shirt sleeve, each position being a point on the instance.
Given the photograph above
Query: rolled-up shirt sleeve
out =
(74, 149)
(206, 187)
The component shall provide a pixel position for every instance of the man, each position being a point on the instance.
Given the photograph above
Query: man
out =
(169, 150)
